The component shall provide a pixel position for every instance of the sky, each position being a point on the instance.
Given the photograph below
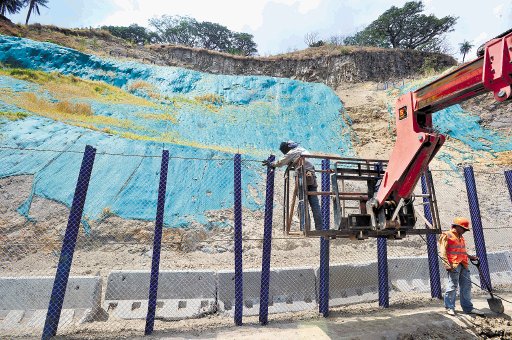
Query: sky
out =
(279, 26)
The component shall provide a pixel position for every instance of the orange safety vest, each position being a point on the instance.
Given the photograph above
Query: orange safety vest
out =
(456, 249)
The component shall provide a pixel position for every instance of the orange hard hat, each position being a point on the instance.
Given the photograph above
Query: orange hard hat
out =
(461, 222)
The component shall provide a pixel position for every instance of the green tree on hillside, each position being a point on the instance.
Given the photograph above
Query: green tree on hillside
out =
(465, 47)
(33, 7)
(213, 36)
(405, 27)
(189, 32)
(11, 6)
(176, 30)
(133, 33)
(242, 44)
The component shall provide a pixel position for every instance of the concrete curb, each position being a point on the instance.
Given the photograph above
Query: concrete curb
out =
(24, 301)
(182, 294)
(186, 294)
(352, 283)
(291, 290)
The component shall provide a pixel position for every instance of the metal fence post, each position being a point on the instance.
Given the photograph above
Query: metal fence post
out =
(157, 244)
(267, 244)
(382, 262)
(508, 179)
(239, 288)
(433, 262)
(323, 305)
(476, 221)
(68, 245)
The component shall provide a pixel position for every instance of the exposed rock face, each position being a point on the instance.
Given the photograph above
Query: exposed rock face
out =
(329, 65)
(493, 114)
(332, 69)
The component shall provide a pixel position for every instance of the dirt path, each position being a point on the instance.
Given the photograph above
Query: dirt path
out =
(419, 319)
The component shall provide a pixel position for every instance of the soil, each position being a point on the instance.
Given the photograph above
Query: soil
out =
(417, 317)
(31, 246)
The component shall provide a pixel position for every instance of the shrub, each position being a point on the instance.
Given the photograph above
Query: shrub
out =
(13, 115)
(210, 98)
(38, 105)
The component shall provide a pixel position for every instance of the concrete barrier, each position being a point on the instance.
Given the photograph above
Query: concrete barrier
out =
(500, 268)
(291, 289)
(352, 283)
(409, 274)
(24, 301)
(181, 294)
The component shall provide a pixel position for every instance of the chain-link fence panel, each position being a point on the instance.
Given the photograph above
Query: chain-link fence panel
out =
(109, 281)
(38, 237)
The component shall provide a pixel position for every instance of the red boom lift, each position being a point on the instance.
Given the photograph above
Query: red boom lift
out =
(386, 207)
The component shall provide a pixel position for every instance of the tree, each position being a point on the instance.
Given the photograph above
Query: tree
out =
(311, 39)
(405, 27)
(465, 47)
(337, 40)
(11, 6)
(242, 44)
(33, 7)
(133, 33)
(213, 36)
(189, 32)
(176, 30)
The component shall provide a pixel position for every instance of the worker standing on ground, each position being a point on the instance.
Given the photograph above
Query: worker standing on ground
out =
(453, 252)
(292, 152)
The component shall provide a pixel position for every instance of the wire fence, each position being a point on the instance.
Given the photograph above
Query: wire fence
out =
(77, 238)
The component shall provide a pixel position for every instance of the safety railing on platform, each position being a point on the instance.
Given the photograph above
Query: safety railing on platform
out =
(103, 243)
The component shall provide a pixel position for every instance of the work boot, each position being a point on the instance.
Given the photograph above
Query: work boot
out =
(476, 312)
(450, 312)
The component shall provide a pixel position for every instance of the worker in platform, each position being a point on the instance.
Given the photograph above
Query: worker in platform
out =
(452, 249)
(292, 151)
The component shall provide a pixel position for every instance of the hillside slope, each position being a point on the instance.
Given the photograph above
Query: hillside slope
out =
(132, 108)
(330, 65)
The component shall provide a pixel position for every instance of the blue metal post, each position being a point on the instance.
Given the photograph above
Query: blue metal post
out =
(433, 262)
(239, 288)
(324, 244)
(382, 262)
(508, 178)
(157, 244)
(267, 244)
(476, 222)
(68, 245)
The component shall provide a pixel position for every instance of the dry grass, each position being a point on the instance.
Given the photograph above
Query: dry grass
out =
(211, 101)
(32, 103)
(78, 114)
(504, 158)
(142, 86)
(62, 87)
(12, 116)
(175, 138)
(87, 40)
(30, 75)
(155, 116)
(210, 98)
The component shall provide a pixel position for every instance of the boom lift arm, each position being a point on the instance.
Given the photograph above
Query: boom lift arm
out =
(417, 142)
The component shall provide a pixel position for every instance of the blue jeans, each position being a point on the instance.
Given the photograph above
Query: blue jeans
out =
(314, 203)
(459, 276)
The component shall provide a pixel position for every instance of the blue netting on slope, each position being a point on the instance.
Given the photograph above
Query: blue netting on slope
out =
(255, 114)
(125, 185)
(464, 126)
